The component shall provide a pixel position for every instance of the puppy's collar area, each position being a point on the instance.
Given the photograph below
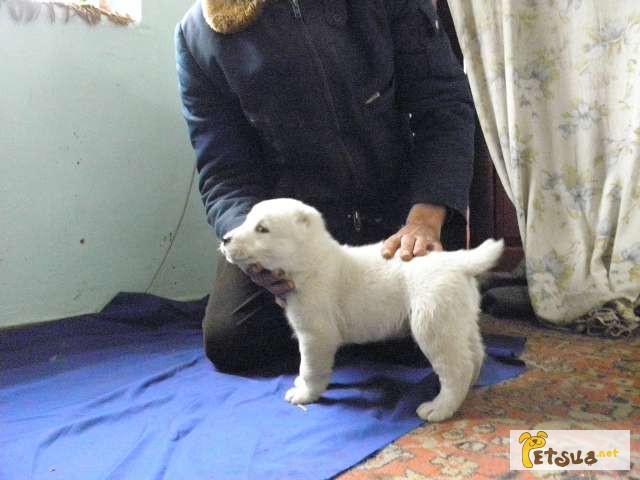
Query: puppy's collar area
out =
(231, 16)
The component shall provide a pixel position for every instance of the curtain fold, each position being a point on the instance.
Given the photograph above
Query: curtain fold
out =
(557, 89)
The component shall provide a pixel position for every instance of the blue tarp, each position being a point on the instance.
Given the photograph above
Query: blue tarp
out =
(128, 394)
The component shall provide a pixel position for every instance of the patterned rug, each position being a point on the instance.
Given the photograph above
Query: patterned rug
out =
(572, 382)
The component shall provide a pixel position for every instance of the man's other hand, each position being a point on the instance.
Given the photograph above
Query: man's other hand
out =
(273, 281)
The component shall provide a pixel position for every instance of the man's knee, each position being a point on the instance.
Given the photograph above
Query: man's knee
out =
(263, 338)
(222, 349)
(235, 354)
(222, 340)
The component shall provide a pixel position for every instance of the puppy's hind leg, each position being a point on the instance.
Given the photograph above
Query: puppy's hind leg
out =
(437, 332)
(477, 353)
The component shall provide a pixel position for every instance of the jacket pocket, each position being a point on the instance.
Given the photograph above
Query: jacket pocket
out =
(386, 130)
(382, 99)
(383, 115)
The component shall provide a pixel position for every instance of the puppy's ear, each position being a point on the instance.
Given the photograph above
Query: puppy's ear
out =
(524, 436)
(303, 217)
(542, 434)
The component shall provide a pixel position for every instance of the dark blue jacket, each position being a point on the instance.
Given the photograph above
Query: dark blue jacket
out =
(344, 104)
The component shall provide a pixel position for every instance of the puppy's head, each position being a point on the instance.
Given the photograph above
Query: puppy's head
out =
(276, 234)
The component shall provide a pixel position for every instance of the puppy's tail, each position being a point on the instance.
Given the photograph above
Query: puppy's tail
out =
(483, 257)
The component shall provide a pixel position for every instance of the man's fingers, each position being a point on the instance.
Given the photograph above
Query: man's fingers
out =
(412, 240)
(281, 302)
(264, 278)
(435, 247)
(420, 247)
(390, 246)
(273, 281)
(281, 288)
(424, 245)
(254, 268)
(406, 247)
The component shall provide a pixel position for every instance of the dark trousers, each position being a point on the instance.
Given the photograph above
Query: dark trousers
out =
(245, 329)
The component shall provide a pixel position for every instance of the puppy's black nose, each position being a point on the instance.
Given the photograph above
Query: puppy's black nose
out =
(226, 239)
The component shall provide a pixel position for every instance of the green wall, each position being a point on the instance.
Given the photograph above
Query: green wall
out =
(95, 168)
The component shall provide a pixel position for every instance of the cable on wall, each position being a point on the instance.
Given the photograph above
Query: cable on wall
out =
(175, 233)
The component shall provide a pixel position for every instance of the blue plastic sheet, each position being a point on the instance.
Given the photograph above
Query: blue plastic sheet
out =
(128, 394)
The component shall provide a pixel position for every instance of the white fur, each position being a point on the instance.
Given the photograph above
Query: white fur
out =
(350, 294)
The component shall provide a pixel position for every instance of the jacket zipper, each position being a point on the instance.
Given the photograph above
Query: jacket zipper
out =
(297, 13)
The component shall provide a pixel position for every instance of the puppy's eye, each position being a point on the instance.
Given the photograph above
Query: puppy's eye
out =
(261, 228)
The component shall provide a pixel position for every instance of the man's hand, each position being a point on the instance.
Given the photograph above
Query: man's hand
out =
(273, 281)
(421, 233)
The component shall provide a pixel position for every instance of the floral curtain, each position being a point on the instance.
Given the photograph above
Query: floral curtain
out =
(557, 89)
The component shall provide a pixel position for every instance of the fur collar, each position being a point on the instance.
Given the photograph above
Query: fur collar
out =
(231, 16)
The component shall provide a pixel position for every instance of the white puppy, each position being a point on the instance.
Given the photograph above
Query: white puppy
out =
(350, 294)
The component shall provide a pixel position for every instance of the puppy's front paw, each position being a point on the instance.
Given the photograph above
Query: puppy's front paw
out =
(300, 395)
(299, 382)
(435, 411)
